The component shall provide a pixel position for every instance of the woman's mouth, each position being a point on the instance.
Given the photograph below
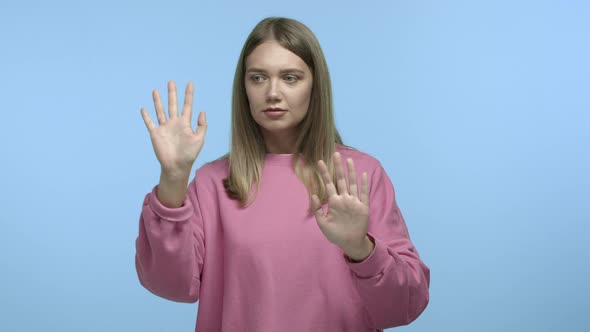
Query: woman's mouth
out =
(274, 112)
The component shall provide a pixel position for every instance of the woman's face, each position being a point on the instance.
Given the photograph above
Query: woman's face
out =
(276, 78)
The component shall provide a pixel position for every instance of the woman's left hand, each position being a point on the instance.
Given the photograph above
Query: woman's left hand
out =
(347, 221)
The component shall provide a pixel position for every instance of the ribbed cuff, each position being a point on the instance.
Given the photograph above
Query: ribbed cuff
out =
(179, 214)
(372, 265)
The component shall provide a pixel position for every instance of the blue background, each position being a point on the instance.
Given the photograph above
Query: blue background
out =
(478, 110)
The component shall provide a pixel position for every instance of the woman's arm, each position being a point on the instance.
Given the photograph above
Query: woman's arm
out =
(170, 247)
(392, 282)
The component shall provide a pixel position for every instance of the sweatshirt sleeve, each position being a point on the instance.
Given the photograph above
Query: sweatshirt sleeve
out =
(170, 247)
(392, 281)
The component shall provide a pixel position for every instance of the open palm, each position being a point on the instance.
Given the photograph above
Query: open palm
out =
(175, 143)
(347, 220)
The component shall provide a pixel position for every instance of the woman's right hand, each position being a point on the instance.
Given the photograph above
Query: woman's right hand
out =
(175, 143)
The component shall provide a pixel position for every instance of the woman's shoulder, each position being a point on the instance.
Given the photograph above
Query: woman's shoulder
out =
(218, 168)
(358, 156)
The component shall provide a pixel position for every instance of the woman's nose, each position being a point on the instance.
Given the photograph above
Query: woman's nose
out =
(273, 92)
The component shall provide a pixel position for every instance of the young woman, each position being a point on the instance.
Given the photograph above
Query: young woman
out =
(278, 234)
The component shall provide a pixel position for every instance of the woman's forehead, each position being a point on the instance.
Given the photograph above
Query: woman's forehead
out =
(271, 56)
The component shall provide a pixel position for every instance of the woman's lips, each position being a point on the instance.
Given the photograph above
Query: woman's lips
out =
(275, 113)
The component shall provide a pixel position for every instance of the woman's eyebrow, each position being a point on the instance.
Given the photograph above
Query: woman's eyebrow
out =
(282, 71)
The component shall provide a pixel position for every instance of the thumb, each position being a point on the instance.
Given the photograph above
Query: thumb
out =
(317, 207)
(201, 124)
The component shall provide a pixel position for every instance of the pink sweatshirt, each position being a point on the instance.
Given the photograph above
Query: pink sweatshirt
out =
(269, 267)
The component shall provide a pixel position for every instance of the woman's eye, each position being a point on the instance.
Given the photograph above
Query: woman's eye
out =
(260, 78)
(291, 79)
(257, 78)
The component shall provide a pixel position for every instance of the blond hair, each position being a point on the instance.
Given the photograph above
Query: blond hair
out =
(317, 133)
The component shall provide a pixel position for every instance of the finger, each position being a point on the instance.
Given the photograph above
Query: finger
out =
(187, 109)
(147, 120)
(159, 108)
(315, 203)
(201, 125)
(339, 170)
(330, 188)
(352, 178)
(172, 102)
(317, 208)
(365, 189)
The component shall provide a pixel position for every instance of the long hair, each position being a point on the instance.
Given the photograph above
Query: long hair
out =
(317, 133)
